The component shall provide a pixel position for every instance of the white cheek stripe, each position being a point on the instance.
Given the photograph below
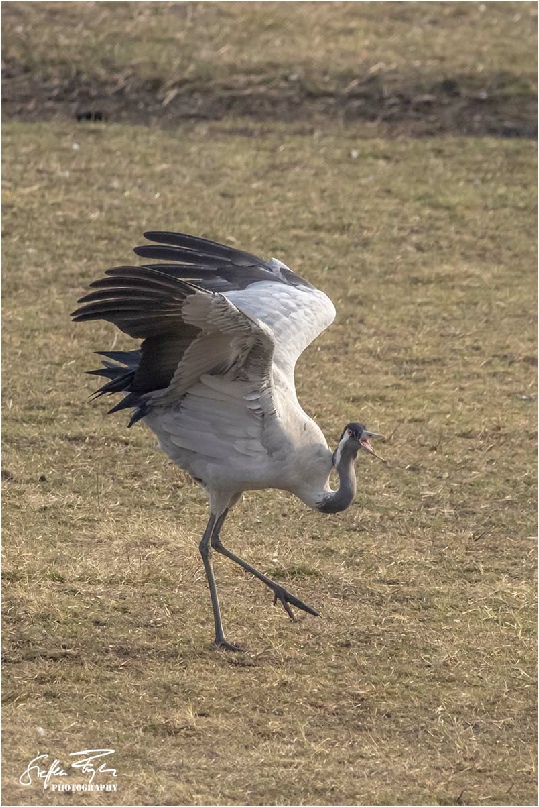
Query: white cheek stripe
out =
(338, 452)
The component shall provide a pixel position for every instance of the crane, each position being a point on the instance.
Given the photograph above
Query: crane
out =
(213, 378)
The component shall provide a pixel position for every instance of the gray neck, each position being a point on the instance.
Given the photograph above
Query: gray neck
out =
(340, 499)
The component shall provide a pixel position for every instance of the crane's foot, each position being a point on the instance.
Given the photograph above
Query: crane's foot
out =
(286, 599)
(222, 644)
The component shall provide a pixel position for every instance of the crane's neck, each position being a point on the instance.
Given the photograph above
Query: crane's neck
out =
(340, 499)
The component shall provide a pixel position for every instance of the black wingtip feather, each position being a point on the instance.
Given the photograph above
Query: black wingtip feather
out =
(181, 255)
(202, 245)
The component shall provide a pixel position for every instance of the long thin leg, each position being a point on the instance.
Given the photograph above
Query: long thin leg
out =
(279, 593)
(205, 551)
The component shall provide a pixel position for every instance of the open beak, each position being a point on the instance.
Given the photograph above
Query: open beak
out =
(365, 443)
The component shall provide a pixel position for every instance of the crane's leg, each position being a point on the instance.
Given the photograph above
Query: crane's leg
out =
(279, 593)
(205, 551)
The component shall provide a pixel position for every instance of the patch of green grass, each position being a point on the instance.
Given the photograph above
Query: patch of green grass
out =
(199, 42)
(416, 685)
(412, 68)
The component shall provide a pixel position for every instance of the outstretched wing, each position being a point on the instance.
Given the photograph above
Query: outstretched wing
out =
(208, 310)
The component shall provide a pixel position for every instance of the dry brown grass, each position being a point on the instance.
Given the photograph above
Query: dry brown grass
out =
(421, 68)
(201, 41)
(417, 684)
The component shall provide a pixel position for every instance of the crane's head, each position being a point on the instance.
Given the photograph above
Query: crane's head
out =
(355, 437)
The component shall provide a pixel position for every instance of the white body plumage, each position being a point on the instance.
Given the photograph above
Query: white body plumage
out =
(245, 429)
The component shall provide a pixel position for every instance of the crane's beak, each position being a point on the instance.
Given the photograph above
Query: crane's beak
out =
(365, 443)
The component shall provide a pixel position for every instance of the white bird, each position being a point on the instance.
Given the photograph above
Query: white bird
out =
(214, 379)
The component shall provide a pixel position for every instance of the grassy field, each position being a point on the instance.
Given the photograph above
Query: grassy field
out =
(417, 685)
(420, 68)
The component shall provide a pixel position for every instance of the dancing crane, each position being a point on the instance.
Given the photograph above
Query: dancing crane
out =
(214, 380)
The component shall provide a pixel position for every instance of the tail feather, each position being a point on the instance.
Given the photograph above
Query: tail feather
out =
(120, 373)
(129, 358)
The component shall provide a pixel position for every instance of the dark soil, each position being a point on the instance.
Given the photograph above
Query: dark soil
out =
(391, 105)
